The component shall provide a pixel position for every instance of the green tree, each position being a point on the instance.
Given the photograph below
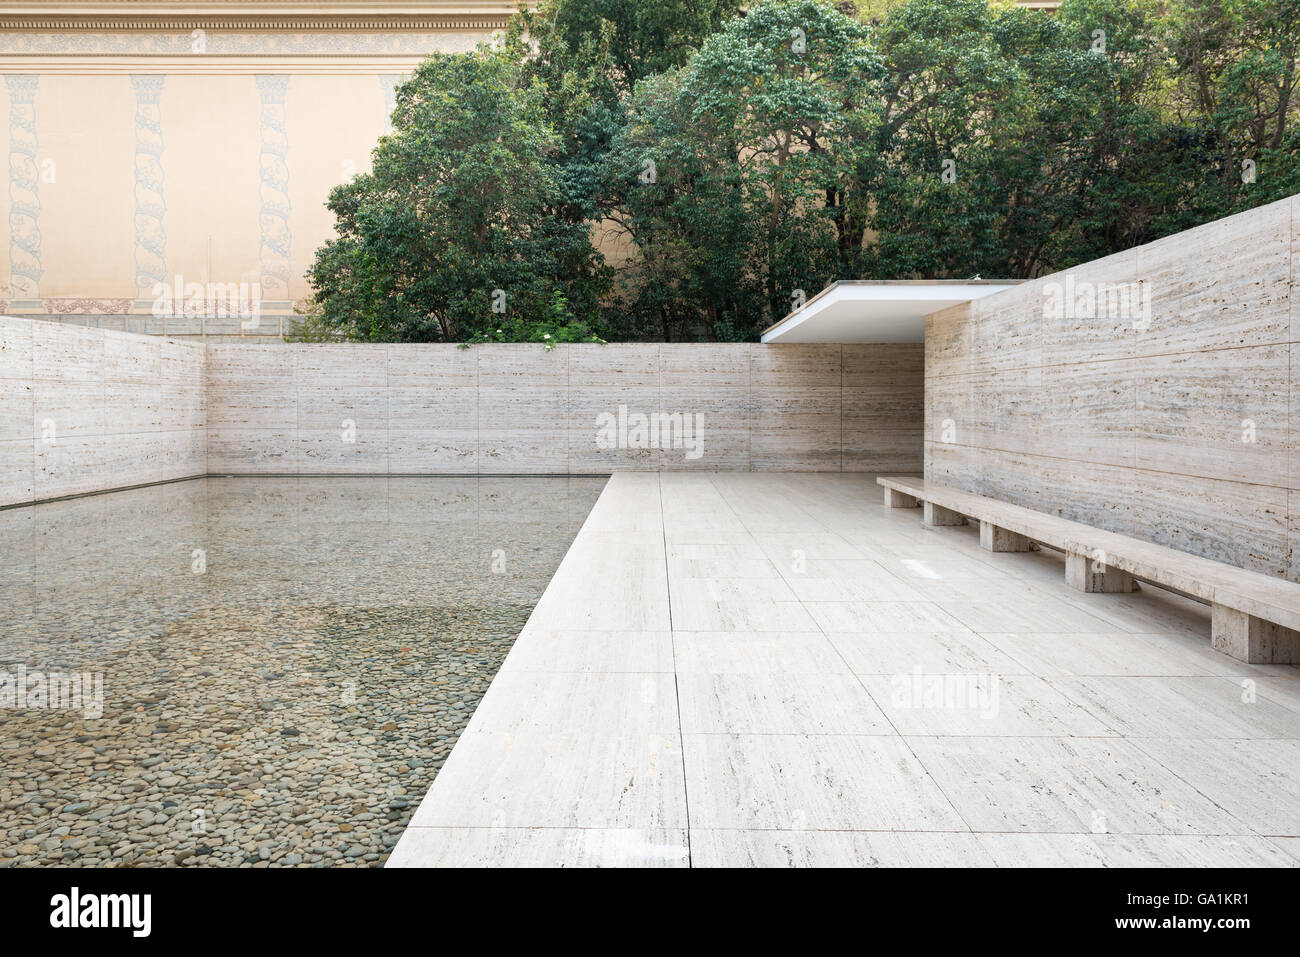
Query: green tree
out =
(1055, 147)
(588, 54)
(639, 37)
(1235, 66)
(734, 177)
(453, 231)
(725, 162)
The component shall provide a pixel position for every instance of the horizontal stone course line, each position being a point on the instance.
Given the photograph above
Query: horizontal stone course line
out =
(460, 475)
(1086, 462)
(973, 375)
(107, 491)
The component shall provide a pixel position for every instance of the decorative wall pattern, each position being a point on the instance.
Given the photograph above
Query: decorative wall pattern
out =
(273, 189)
(24, 188)
(221, 42)
(388, 84)
(73, 307)
(150, 205)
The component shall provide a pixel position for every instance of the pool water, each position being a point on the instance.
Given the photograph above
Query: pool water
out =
(284, 662)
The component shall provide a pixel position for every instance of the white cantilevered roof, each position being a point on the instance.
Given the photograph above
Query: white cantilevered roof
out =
(859, 310)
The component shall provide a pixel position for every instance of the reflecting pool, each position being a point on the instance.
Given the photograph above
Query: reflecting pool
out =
(255, 672)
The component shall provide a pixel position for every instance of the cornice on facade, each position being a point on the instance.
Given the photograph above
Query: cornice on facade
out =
(103, 15)
(274, 8)
(333, 65)
(276, 15)
(237, 23)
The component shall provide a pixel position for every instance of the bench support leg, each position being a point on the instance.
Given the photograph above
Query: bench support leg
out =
(938, 515)
(1253, 640)
(997, 539)
(896, 499)
(1087, 574)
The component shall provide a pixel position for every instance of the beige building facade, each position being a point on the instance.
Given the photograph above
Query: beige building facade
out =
(168, 163)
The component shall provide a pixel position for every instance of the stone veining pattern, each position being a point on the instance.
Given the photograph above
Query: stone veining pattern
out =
(1176, 427)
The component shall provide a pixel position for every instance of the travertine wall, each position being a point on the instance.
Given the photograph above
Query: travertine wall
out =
(276, 408)
(87, 410)
(1174, 427)
(82, 410)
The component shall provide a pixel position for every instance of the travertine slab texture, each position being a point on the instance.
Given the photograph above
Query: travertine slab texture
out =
(175, 409)
(1169, 420)
(998, 539)
(734, 669)
(411, 409)
(85, 410)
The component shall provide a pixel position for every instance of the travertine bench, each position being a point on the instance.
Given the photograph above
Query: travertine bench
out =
(1256, 618)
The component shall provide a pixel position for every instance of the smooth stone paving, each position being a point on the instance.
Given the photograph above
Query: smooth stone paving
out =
(739, 669)
(1254, 616)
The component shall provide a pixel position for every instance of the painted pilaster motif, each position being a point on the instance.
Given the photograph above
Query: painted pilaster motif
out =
(273, 189)
(388, 84)
(150, 206)
(24, 184)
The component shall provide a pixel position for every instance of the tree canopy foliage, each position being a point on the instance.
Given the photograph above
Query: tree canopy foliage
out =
(680, 169)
